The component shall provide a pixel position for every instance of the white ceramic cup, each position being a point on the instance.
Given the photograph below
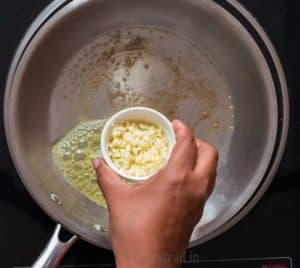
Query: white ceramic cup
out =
(136, 114)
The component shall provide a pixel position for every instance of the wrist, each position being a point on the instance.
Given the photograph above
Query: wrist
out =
(150, 265)
(138, 261)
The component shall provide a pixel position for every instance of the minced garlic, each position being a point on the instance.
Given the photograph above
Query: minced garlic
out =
(138, 148)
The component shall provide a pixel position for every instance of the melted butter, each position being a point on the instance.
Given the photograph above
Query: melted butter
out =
(73, 156)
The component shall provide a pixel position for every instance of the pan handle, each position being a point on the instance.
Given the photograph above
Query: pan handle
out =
(54, 251)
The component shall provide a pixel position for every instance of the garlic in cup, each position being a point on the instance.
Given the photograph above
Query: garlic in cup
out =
(138, 148)
(137, 142)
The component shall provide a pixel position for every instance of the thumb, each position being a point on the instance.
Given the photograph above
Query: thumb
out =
(109, 182)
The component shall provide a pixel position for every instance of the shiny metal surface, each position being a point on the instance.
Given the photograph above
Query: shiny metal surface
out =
(54, 251)
(284, 119)
(40, 105)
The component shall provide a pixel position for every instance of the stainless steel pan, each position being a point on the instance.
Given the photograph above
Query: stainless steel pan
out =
(191, 59)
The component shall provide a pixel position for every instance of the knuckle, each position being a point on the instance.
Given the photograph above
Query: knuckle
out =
(205, 186)
(199, 193)
(212, 150)
(187, 132)
(180, 177)
(187, 142)
(199, 197)
(202, 196)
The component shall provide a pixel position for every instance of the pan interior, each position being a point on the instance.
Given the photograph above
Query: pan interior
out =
(93, 58)
(140, 66)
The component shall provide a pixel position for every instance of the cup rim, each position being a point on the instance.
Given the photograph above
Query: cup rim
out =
(113, 119)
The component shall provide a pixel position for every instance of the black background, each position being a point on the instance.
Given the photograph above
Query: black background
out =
(271, 229)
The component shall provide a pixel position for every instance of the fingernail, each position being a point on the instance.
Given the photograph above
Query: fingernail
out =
(176, 123)
(96, 163)
(101, 161)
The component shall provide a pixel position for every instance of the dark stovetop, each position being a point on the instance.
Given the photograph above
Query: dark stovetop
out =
(270, 230)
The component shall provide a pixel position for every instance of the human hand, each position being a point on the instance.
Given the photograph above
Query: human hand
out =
(151, 222)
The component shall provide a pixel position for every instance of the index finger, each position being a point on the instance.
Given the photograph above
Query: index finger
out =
(184, 153)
